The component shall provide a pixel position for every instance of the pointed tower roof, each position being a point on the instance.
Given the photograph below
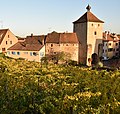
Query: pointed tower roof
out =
(88, 17)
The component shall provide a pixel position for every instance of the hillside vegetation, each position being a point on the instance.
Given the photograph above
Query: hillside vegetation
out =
(30, 88)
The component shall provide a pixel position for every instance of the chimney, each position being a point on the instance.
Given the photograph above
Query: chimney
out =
(31, 34)
(108, 32)
(106, 35)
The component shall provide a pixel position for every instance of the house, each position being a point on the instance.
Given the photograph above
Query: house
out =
(63, 42)
(89, 30)
(110, 45)
(7, 39)
(87, 38)
(32, 49)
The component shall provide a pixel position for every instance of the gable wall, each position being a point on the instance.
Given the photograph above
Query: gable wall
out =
(9, 40)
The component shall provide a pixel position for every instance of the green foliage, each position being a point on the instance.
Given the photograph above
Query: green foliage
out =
(58, 57)
(28, 88)
(95, 60)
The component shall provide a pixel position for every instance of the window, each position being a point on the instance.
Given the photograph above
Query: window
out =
(34, 53)
(116, 44)
(66, 44)
(30, 53)
(106, 44)
(92, 24)
(3, 49)
(8, 36)
(10, 42)
(95, 33)
(14, 53)
(41, 54)
(109, 44)
(98, 25)
(51, 45)
(104, 51)
(117, 49)
(6, 42)
(8, 53)
(110, 49)
(18, 53)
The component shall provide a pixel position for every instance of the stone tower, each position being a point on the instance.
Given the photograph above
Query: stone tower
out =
(89, 30)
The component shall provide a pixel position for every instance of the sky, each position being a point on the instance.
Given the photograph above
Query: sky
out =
(39, 17)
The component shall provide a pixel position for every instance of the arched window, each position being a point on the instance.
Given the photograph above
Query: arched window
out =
(95, 33)
(51, 45)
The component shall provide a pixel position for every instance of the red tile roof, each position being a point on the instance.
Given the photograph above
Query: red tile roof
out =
(110, 37)
(35, 39)
(2, 34)
(55, 37)
(68, 38)
(26, 47)
(88, 17)
(31, 43)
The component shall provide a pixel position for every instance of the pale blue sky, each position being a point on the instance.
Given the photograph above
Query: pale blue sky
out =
(24, 17)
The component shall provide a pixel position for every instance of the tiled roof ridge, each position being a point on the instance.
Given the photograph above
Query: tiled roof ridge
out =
(88, 17)
(110, 37)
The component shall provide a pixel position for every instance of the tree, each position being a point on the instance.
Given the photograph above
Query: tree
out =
(95, 60)
(60, 57)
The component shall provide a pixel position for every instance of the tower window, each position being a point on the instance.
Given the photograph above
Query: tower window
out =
(98, 25)
(51, 45)
(95, 33)
(10, 42)
(92, 24)
(117, 49)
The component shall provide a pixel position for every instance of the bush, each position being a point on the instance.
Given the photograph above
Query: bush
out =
(25, 87)
(2, 55)
(72, 62)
